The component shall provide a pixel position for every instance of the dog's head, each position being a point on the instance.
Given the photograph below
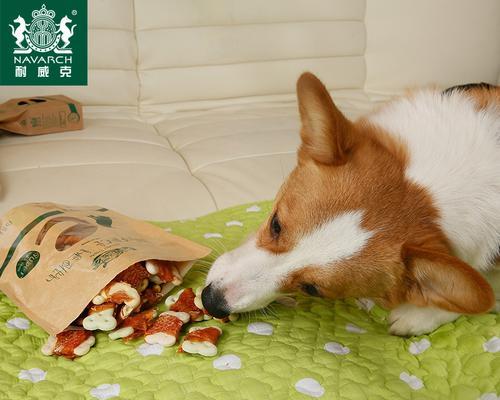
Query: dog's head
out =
(346, 223)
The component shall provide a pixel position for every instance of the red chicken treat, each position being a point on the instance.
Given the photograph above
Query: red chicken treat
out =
(119, 293)
(202, 341)
(163, 272)
(184, 301)
(134, 326)
(136, 276)
(151, 296)
(70, 343)
(165, 330)
(95, 308)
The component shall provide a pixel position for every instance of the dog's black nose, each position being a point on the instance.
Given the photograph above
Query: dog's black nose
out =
(214, 302)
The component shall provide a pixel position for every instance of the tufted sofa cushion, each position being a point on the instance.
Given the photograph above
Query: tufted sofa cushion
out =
(191, 108)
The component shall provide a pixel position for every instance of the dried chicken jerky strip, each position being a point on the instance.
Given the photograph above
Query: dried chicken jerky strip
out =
(165, 330)
(163, 272)
(136, 276)
(138, 322)
(151, 296)
(170, 300)
(70, 343)
(119, 293)
(95, 308)
(202, 341)
(184, 302)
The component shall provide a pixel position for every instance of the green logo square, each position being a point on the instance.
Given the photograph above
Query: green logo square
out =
(43, 42)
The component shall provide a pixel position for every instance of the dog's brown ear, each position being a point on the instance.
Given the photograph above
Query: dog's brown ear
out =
(326, 134)
(441, 280)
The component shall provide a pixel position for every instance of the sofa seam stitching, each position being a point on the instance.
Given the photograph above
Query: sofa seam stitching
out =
(138, 76)
(189, 168)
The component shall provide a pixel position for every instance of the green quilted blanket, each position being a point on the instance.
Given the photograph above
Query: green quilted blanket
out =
(333, 350)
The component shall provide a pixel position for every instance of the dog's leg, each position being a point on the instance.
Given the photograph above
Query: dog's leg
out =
(410, 320)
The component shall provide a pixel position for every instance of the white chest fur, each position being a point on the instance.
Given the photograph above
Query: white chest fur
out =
(454, 153)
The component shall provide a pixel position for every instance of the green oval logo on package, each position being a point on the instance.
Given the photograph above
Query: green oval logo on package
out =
(43, 42)
(27, 262)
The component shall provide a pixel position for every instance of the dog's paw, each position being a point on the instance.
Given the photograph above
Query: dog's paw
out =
(410, 320)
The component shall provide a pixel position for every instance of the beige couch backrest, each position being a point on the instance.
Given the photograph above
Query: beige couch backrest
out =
(216, 49)
(152, 54)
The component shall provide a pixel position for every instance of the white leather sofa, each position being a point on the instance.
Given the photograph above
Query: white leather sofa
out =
(190, 105)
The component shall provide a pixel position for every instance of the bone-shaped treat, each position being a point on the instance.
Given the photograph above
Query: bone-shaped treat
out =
(70, 343)
(166, 329)
(120, 293)
(202, 341)
(100, 318)
(184, 301)
(163, 272)
(140, 323)
(136, 276)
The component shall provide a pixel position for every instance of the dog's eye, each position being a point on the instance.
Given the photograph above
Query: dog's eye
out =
(310, 289)
(275, 226)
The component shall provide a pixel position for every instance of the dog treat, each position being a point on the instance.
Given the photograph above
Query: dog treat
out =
(66, 241)
(115, 273)
(229, 318)
(124, 309)
(165, 330)
(206, 315)
(136, 276)
(139, 323)
(197, 300)
(70, 343)
(120, 293)
(121, 333)
(163, 272)
(184, 302)
(100, 320)
(100, 317)
(152, 267)
(170, 300)
(151, 296)
(95, 308)
(202, 341)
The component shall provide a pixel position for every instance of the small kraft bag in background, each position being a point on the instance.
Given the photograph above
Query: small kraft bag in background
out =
(41, 115)
(55, 259)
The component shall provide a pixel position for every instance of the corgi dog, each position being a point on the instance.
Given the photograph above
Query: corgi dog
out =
(401, 206)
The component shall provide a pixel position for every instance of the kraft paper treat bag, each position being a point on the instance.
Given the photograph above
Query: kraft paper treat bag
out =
(41, 115)
(53, 285)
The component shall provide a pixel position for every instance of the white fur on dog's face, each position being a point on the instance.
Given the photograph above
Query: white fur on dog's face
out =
(250, 276)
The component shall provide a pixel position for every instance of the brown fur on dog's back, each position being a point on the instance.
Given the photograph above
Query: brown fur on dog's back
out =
(484, 97)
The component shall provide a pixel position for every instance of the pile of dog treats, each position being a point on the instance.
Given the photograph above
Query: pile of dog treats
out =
(125, 309)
